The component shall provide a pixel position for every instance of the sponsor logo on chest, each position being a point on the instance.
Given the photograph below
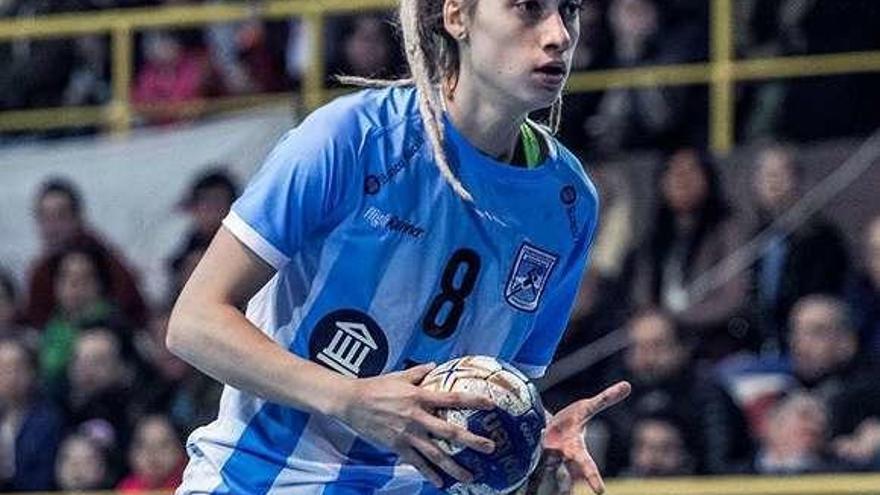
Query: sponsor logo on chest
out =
(386, 221)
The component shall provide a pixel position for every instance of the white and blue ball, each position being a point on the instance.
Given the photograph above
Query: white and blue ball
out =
(516, 424)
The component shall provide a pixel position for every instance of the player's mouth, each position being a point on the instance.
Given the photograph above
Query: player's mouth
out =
(551, 75)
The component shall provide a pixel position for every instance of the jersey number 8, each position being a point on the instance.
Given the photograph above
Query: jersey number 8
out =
(449, 303)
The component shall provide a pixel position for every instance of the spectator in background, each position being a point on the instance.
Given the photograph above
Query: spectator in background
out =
(808, 258)
(641, 117)
(248, 55)
(173, 72)
(30, 427)
(658, 364)
(863, 292)
(659, 448)
(61, 224)
(82, 465)
(35, 71)
(694, 231)
(207, 203)
(100, 384)
(156, 457)
(367, 49)
(81, 278)
(824, 360)
(89, 82)
(796, 439)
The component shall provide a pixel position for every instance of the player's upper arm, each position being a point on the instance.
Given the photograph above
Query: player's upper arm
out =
(228, 273)
(304, 186)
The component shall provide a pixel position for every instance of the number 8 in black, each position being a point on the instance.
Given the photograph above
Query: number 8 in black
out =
(451, 296)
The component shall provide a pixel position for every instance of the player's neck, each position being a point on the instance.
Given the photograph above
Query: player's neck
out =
(488, 125)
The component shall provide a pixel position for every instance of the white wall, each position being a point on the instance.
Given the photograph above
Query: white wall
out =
(130, 185)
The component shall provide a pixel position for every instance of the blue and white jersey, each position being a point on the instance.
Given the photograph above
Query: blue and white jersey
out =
(381, 265)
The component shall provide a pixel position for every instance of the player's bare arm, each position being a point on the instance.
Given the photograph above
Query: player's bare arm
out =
(209, 331)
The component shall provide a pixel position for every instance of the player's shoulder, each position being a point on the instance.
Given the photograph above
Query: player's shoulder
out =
(367, 111)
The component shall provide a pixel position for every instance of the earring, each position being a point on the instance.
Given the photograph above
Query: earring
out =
(463, 36)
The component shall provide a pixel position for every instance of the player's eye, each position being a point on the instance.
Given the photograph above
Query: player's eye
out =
(570, 9)
(530, 8)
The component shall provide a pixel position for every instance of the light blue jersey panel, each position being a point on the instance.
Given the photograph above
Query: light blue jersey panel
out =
(381, 265)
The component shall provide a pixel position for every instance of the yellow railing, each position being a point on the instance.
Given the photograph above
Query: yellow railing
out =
(720, 73)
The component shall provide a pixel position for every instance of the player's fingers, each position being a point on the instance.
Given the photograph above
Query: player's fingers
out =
(410, 456)
(582, 467)
(455, 434)
(607, 398)
(430, 451)
(415, 374)
(457, 400)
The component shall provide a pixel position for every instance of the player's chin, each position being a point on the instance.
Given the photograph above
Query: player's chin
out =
(543, 94)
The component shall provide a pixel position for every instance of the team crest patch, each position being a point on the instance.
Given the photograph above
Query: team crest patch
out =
(528, 277)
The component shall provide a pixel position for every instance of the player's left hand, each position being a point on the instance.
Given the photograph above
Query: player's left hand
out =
(565, 435)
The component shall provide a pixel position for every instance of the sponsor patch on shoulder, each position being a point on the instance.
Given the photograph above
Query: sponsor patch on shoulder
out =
(529, 275)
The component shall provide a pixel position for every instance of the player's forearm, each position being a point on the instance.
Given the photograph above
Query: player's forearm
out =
(218, 340)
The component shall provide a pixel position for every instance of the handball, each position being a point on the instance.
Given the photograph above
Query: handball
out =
(516, 424)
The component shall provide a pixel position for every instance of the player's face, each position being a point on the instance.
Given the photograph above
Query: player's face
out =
(521, 50)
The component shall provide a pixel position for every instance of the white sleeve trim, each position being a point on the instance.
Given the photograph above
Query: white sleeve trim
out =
(530, 370)
(253, 240)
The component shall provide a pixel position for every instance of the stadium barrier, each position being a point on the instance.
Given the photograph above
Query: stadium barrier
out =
(721, 73)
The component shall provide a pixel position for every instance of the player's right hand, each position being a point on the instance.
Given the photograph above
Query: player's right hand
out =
(392, 410)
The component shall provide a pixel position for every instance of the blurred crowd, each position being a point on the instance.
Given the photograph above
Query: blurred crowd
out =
(771, 369)
(252, 56)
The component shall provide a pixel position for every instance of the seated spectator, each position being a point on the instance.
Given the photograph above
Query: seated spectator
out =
(694, 232)
(796, 439)
(658, 364)
(30, 427)
(81, 277)
(89, 82)
(100, 384)
(207, 203)
(863, 292)
(646, 116)
(156, 456)
(796, 260)
(61, 224)
(172, 73)
(824, 360)
(248, 55)
(35, 70)
(659, 448)
(367, 49)
(82, 465)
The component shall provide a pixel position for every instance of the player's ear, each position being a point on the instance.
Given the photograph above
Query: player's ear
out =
(455, 18)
